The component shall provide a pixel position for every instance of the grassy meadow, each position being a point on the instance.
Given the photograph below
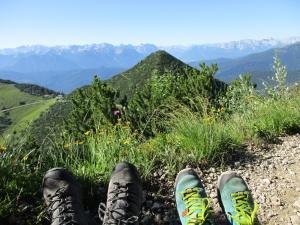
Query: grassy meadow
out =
(22, 115)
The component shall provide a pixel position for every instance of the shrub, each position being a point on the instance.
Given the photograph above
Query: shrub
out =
(91, 106)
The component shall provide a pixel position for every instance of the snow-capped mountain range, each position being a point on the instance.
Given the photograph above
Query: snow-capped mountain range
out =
(231, 49)
(64, 68)
(254, 44)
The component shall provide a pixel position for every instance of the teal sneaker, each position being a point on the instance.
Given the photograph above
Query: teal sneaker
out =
(193, 206)
(236, 200)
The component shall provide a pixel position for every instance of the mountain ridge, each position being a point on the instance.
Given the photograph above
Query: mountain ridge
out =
(145, 47)
(260, 64)
(61, 81)
(105, 54)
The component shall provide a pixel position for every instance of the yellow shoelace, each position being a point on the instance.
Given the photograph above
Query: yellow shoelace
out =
(194, 202)
(245, 215)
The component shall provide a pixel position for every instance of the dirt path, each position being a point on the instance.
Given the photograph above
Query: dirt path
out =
(272, 173)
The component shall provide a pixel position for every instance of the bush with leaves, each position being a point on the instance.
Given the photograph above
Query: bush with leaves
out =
(92, 106)
(149, 107)
(240, 95)
(196, 85)
(279, 89)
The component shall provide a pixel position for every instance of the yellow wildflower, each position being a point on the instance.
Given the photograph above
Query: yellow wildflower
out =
(126, 142)
(101, 132)
(2, 148)
(78, 142)
(208, 119)
(25, 157)
(87, 133)
(66, 145)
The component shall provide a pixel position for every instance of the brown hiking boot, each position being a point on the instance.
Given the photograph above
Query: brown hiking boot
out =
(124, 197)
(62, 196)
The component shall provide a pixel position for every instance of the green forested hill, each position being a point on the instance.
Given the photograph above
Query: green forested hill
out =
(159, 62)
(18, 108)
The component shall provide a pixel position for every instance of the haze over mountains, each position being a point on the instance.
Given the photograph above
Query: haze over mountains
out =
(259, 65)
(64, 68)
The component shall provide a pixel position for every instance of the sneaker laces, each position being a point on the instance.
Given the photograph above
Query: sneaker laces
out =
(198, 208)
(115, 209)
(64, 202)
(245, 214)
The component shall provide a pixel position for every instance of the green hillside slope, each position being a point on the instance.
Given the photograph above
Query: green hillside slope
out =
(18, 109)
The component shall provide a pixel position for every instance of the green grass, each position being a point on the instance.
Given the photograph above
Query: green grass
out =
(10, 97)
(22, 117)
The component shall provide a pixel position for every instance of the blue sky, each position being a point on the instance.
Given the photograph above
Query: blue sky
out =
(161, 22)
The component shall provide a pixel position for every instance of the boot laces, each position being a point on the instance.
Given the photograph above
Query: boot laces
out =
(245, 213)
(198, 208)
(123, 212)
(64, 206)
